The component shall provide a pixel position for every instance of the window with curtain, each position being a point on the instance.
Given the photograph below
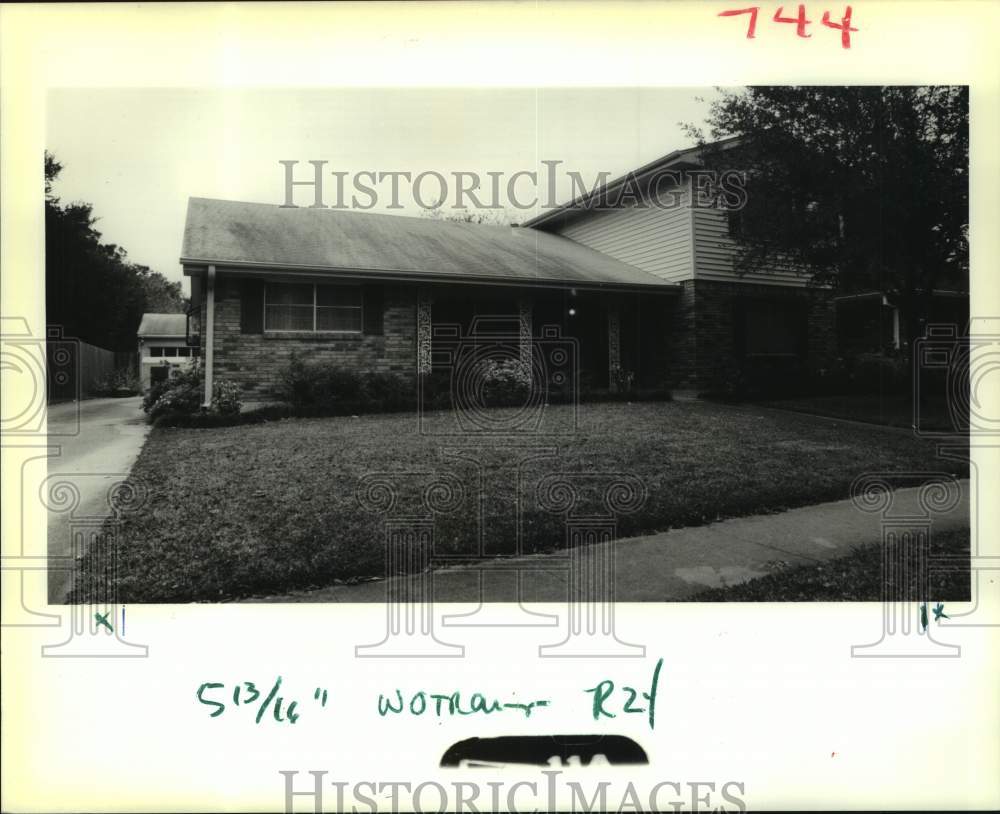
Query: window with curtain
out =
(288, 307)
(308, 307)
(338, 308)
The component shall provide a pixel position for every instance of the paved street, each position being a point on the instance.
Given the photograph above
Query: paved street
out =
(111, 434)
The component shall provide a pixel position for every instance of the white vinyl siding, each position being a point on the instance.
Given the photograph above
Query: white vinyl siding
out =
(714, 250)
(674, 244)
(655, 240)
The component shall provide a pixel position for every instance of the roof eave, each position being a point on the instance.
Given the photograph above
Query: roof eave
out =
(677, 159)
(254, 269)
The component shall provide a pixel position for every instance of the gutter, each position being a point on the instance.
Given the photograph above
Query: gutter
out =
(209, 334)
(250, 269)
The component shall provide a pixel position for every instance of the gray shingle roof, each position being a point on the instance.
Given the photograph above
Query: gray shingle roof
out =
(266, 235)
(163, 325)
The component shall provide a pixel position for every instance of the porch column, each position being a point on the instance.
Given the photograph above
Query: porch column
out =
(614, 346)
(524, 332)
(209, 334)
(424, 301)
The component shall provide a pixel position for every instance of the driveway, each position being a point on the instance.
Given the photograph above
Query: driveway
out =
(111, 433)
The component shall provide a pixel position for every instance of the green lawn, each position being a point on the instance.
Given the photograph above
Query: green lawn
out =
(272, 507)
(857, 577)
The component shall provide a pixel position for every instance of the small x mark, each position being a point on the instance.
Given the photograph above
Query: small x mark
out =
(939, 613)
(103, 620)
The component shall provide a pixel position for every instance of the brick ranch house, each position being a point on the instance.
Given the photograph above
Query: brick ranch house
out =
(648, 293)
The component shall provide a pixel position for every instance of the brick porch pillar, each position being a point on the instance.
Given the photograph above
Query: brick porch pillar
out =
(614, 346)
(424, 302)
(524, 309)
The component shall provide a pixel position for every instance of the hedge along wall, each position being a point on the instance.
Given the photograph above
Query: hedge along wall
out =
(255, 360)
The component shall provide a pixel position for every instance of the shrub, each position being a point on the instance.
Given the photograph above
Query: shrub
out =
(226, 398)
(151, 396)
(316, 384)
(388, 392)
(321, 388)
(880, 373)
(122, 382)
(183, 391)
(207, 420)
(436, 390)
(505, 383)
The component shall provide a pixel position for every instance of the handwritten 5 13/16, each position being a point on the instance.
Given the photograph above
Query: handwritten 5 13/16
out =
(245, 694)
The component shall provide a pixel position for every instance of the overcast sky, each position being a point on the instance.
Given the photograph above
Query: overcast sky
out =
(137, 155)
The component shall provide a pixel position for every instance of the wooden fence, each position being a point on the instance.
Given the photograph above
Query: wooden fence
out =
(74, 367)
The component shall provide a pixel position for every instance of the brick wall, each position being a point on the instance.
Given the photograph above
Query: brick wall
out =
(256, 361)
(705, 352)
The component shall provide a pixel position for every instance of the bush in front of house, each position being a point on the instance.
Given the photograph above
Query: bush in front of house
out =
(880, 373)
(322, 388)
(225, 398)
(503, 382)
(182, 393)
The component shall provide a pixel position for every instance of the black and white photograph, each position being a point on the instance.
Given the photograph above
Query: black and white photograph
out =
(469, 345)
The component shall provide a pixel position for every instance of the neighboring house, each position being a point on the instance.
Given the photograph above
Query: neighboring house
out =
(648, 293)
(162, 346)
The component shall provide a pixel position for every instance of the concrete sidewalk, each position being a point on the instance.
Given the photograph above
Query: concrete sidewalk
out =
(672, 565)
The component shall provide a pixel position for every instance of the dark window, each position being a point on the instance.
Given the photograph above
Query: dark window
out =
(196, 351)
(774, 328)
(182, 351)
(155, 351)
(170, 351)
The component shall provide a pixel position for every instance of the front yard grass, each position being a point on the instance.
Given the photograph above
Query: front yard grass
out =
(858, 578)
(262, 509)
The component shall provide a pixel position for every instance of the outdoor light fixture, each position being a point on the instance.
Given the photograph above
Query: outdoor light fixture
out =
(572, 312)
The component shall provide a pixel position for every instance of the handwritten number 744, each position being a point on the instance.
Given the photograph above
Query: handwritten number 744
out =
(800, 22)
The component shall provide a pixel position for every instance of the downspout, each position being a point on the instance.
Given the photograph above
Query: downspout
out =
(209, 334)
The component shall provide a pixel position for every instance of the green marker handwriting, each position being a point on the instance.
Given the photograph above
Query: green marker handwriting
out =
(246, 694)
(605, 696)
(440, 704)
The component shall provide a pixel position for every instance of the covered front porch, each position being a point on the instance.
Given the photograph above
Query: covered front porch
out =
(591, 340)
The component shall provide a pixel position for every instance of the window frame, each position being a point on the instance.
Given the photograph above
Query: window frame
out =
(315, 300)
